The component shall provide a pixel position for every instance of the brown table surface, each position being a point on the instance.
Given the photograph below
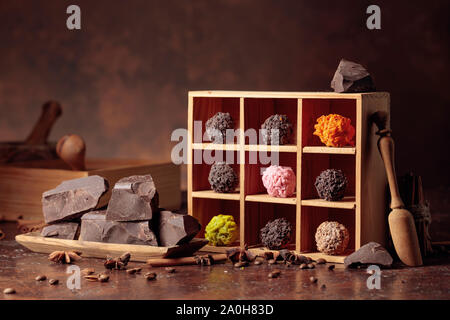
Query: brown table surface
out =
(19, 267)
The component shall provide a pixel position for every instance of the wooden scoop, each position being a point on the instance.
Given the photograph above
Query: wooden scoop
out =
(72, 149)
(401, 221)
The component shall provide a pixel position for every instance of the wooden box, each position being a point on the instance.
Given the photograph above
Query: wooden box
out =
(362, 211)
(22, 185)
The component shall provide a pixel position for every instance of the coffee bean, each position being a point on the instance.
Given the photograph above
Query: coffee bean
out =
(9, 291)
(134, 270)
(271, 261)
(274, 274)
(170, 270)
(311, 266)
(103, 277)
(331, 267)
(313, 279)
(258, 262)
(303, 266)
(150, 276)
(53, 282)
(40, 278)
(240, 264)
(323, 287)
(321, 261)
(88, 271)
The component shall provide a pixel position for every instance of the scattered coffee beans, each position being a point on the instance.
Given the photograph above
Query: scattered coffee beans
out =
(313, 279)
(53, 282)
(274, 274)
(103, 277)
(303, 266)
(134, 270)
(331, 267)
(321, 261)
(88, 271)
(41, 278)
(9, 291)
(240, 264)
(323, 287)
(311, 266)
(271, 261)
(150, 276)
(258, 262)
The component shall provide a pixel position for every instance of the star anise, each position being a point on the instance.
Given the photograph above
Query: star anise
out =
(205, 260)
(118, 263)
(64, 256)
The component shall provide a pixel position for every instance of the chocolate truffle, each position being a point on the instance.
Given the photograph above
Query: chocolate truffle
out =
(331, 184)
(332, 238)
(279, 181)
(277, 130)
(276, 234)
(216, 127)
(221, 230)
(222, 178)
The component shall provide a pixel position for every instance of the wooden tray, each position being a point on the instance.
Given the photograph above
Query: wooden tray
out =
(35, 242)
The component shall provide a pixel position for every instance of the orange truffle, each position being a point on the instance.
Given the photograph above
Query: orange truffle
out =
(335, 130)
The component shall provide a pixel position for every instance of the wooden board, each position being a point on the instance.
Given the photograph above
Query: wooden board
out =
(22, 185)
(35, 242)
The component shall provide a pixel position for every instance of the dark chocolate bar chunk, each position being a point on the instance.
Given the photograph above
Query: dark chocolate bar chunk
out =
(133, 198)
(72, 198)
(65, 230)
(175, 228)
(352, 77)
(370, 253)
(95, 227)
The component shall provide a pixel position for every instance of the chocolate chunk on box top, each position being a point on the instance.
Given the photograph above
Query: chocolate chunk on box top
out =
(352, 77)
(65, 230)
(133, 198)
(72, 198)
(370, 253)
(176, 228)
(95, 227)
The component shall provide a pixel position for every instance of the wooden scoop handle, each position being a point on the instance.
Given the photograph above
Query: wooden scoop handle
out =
(72, 149)
(51, 111)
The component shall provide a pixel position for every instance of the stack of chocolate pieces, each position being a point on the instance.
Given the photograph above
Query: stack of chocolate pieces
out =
(131, 217)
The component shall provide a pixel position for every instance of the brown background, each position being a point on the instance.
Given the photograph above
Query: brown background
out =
(123, 79)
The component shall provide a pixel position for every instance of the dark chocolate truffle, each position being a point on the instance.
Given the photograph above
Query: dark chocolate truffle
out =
(331, 184)
(276, 234)
(216, 127)
(277, 130)
(222, 178)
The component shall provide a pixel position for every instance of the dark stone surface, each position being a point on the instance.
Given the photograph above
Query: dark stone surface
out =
(95, 227)
(65, 230)
(370, 253)
(352, 77)
(175, 228)
(133, 198)
(72, 198)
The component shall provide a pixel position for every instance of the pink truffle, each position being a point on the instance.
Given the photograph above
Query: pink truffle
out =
(279, 181)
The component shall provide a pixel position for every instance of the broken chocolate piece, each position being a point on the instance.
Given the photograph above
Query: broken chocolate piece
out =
(72, 198)
(352, 77)
(95, 227)
(176, 228)
(370, 253)
(133, 198)
(67, 230)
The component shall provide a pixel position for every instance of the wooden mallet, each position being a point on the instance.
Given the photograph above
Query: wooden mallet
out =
(401, 221)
